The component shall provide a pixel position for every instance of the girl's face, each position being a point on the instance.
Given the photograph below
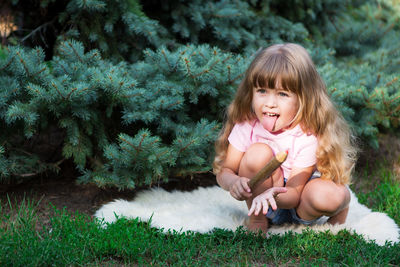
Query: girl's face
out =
(275, 108)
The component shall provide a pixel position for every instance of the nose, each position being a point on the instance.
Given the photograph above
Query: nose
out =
(270, 101)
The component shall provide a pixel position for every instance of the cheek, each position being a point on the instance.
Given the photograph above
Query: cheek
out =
(295, 107)
(254, 103)
(253, 107)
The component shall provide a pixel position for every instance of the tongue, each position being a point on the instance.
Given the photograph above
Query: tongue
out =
(269, 122)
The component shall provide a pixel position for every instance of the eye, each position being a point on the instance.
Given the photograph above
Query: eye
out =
(283, 93)
(261, 91)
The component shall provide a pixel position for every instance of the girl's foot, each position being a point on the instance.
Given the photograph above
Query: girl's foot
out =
(257, 224)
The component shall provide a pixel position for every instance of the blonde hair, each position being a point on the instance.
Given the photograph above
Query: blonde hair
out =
(290, 66)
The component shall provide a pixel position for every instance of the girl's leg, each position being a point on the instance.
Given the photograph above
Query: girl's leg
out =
(323, 197)
(254, 159)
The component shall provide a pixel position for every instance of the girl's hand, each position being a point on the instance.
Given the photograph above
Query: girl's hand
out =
(240, 189)
(262, 200)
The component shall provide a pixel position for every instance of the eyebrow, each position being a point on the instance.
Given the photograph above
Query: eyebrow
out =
(280, 88)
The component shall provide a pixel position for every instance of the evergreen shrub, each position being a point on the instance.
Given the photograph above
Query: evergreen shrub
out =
(156, 113)
(168, 105)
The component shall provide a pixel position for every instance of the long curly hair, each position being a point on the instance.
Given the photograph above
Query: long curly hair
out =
(290, 66)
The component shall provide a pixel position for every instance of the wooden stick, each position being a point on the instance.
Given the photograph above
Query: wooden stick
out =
(268, 169)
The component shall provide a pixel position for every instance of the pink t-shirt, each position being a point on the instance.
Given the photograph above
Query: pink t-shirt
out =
(301, 146)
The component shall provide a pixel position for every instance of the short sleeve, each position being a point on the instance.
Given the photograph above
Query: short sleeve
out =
(240, 136)
(306, 155)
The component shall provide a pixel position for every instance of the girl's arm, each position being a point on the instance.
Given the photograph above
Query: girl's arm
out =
(228, 179)
(282, 197)
(294, 185)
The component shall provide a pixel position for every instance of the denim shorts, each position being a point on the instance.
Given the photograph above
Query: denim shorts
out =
(281, 216)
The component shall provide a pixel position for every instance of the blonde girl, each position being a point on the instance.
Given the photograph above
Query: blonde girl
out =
(282, 104)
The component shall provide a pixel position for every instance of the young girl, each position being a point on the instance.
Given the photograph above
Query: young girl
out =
(282, 104)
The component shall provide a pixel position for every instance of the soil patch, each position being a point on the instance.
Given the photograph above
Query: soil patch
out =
(63, 192)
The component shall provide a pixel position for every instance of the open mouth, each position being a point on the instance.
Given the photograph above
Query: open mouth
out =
(269, 120)
(270, 114)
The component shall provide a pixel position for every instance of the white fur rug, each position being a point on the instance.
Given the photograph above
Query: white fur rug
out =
(204, 209)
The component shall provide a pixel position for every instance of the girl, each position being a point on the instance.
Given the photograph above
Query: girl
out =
(282, 104)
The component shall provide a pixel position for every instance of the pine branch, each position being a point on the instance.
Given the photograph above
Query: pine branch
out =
(378, 77)
(155, 61)
(173, 104)
(62, 66)
(33, 90)
(188, 66)
(207, 70)
(165, 57)
(201, 54)
(23, 63)
(8, 64)
(226, 16)
(211, 130)
(179, 58)
(77, 91)
(161, 154)
(388, 29)
(227, 58)
(58, 91)
(186, 146)
(384, 101)
(239, 76)
(132, 95)
(139, 147)
(391, 82)
(39, 29)
(95, 55)
(73, 50)
(38, 56)
(40, 71)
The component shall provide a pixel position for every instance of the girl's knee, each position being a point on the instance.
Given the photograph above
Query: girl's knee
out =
(256, 157)
(326, 197)
(339, 200)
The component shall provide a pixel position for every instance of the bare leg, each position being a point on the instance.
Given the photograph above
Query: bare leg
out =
(323, 197)
(339, 218)
(255, 158)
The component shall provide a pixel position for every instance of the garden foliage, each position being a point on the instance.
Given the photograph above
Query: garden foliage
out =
(135, 94)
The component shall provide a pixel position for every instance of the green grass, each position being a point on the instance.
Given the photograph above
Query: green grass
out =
(76, 239)
(384, 193)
